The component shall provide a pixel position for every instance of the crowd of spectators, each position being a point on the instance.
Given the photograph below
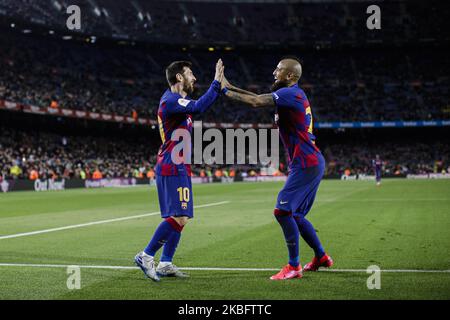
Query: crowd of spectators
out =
(399, 158)
(28, 155)
(45, 155)
(350, 73)
(342, 85)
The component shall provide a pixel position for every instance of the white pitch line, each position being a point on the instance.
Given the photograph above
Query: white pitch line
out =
(17, 235)
(212, 268)
(387, 270)
(380, 200)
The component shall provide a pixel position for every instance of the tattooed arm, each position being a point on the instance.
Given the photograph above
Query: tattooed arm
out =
(262, 100)
(236, 89)
(241, 95)
(226, 84)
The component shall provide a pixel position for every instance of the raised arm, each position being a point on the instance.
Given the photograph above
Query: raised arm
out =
(262, 100)
(206, 100)
(229, 86)
(247, 97)
(226, 84)
(189, 106)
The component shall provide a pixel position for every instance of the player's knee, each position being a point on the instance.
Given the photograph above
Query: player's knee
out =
(299, 218)
(279, 212)
(182, 221)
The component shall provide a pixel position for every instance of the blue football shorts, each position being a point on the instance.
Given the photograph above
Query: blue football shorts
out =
(299, 191)
(175, 196)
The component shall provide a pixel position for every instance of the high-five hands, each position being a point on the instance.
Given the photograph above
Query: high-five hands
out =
(219, 71)
(225, 83)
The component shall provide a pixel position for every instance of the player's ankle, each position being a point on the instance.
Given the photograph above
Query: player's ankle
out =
(320, 255)
(147, 255)
(296, 268)
(164, 263)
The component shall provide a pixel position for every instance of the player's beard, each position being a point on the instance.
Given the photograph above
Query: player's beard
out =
(278, 84)
(188, 87)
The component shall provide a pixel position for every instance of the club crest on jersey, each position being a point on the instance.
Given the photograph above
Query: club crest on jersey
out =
(183, 102)
(184, 205)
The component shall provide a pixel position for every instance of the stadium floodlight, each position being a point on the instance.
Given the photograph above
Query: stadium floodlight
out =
(57, 5)
(97, 12)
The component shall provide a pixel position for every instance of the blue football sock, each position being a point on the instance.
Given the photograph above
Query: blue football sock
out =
(309, 234)
(170, 247)
(291, 234)
(161, 236)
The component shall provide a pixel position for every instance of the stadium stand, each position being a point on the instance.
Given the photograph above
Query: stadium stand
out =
(115, 65)
(360, 85)
(65, 154)
(242, 22)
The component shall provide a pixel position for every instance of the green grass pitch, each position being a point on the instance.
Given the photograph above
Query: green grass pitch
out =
(402, 225)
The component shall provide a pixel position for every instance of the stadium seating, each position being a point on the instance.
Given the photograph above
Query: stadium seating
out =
(62, 155)
(221, 22)
(342, 85)
(349, 73)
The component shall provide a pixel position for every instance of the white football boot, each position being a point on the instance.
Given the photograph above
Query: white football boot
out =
(166, 269)
(147, 265)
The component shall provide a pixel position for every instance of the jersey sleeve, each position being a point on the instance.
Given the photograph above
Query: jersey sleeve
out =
(283, 98)
(189, 106)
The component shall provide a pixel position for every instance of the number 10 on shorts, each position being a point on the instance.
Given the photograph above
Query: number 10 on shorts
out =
(184, 194)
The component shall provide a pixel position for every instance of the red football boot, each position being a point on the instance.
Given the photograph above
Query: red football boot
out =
(314, 265)
(288, 272)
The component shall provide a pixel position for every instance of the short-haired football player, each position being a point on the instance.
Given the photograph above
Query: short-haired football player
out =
(173, 175)
(306, 163)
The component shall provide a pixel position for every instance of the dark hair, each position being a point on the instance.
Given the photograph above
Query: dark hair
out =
(174, 68)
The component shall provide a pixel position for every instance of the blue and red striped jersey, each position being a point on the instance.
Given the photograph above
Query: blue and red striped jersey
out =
(295, 123)
(377, 163)
(175, 112)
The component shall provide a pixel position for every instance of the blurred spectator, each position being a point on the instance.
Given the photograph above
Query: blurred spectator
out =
(34, 175)
(375, 84)
(97, 175)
